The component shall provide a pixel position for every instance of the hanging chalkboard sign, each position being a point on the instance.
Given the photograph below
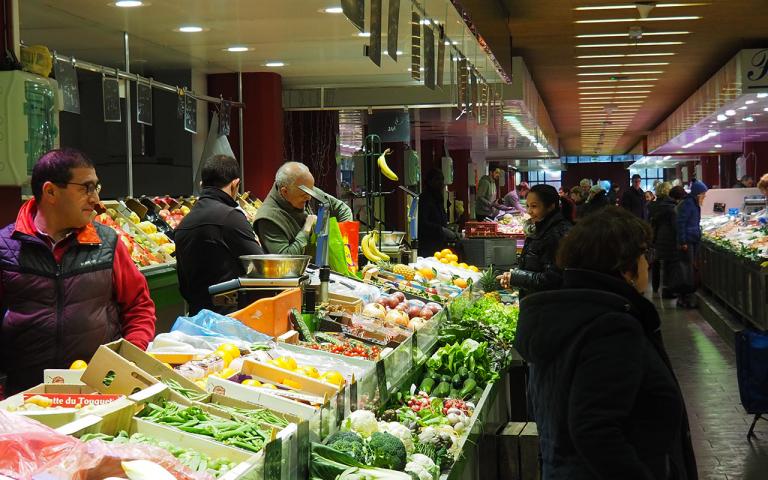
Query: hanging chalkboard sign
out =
(190, 114)
(225, 118)
(66, 76)
(143, 101)
(110, 87)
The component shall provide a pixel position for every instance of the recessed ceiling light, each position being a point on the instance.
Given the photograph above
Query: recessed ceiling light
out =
(636, 44)
(624, 55)
(333, 10)
(611, 80)
(762, 95)
(274, 64)
(626, 34)
(614, 93)
(595, 74)
(718, 146)
(649, 19)
(386, 52)
(765, 109)
(743, 108)
(749, 102)
(749, 119)
(730, 113)
(190, 29)
(237, 49)
(722, 118)
(614, 87)
(617, 98)
(632, 6)
(618, 65)
(364, 34)
(129, 3)
(605, 103)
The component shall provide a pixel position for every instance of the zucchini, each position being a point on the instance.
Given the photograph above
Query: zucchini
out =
(457, 381)
(468, 389)
(302, 326)
(426, 385)
(442, 390)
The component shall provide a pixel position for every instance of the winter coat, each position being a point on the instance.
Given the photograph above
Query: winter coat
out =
(209, 243)
(433, 224)
(689, 216)
(605, 399)
(536, 269)
(663, 222)
(486, 197)
(633, 200)
(597, 203)
(59, 305)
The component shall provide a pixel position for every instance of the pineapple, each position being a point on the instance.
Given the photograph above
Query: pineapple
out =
(409, 273)
(488, 282)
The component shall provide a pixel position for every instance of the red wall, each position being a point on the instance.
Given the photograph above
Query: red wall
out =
(263, 120)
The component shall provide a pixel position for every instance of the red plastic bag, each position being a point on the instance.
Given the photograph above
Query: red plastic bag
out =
(350, 235)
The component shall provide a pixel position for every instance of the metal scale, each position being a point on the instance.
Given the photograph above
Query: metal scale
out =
(753, 203)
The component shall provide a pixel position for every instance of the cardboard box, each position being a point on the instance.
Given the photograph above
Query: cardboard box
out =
(272, 374)
(133, 370)
(61, 375)
(67, 397)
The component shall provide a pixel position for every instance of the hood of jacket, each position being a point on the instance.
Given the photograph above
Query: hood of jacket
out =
(550, 320)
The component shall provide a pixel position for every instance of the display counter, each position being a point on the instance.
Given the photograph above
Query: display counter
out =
(164, 289)
(500, 252)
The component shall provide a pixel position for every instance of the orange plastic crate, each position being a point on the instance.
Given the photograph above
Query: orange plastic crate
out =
(270, 315)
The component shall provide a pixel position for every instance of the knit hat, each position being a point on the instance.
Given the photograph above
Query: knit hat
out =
(697, 188)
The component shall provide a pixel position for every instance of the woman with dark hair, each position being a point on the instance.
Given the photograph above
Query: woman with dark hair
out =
(605, 398)
(549, 223)
(434, 233)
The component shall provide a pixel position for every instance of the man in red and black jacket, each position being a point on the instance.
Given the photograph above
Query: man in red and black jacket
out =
(67, 284)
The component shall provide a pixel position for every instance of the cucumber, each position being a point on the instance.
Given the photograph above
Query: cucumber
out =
(426, 385)
(304, 330)
(442, 390)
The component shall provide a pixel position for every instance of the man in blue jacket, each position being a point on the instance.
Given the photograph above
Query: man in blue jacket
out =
(689, 235)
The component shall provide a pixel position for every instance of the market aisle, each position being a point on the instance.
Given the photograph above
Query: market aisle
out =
(706, 368)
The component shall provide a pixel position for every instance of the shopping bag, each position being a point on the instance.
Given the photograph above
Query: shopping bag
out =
(350, 235)
(752, 370)
(680, 275)
(210, 324)
(337, 257)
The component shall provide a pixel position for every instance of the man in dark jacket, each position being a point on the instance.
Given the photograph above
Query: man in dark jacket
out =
(434, 233)
(67, 284)
(213, 236)
(747, 181)
(634, 199)
(663, 221)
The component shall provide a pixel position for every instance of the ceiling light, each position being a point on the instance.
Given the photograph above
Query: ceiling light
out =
(749, 102)
(604, 103)
(648, 72)
(611, 92)
(624, 55)
(334, 10)
(613, 65)
(617, 98)
(718, 146)
(762, 95)
(237, 49)
(743, 108)
(129, 3)
(274, 64)
(364, 34)
(721, 118)
(730, 113)
(603, 87)
(386, 52)
(190, 29)
(749, 119)
(631, 20)
(636, 44)
(610, 80)
(633, 6)
(625, 34)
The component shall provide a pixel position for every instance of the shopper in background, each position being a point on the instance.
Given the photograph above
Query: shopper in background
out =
(285, 220)
(486, 204)
(511, 201)
(613, 194)
(663, 221)
(434, 234)
(579, 200)
(585, 184)
(213, 236)
(763, 184)
(688, 239)
(649, 196)
(67, 284)
(536, 269)
(633, 199)
(605, 398)
(598, 199)
(747, 181)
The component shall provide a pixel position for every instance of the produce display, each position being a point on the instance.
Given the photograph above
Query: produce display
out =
(195, 461)
(396, 309)
(343, 346)
(745, 237)
(141, 253)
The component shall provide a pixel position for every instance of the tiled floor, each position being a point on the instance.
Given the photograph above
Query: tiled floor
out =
(706, 368)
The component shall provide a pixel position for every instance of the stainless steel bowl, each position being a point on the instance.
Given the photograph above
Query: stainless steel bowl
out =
(389, 239)
(275, 266)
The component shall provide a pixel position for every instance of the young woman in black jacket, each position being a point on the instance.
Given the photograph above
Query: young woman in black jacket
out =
(605, 399)
(536, 269)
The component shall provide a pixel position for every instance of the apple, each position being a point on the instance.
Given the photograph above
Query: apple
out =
(400, 296)
(402, 307)
(426, 313)
(393, 301)
(415, 311)
(383, 300)
(435, 307)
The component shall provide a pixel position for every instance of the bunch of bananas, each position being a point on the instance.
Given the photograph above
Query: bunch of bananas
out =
(370, 250)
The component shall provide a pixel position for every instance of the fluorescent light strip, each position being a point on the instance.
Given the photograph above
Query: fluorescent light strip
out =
(632, 6)
(616, 93)
(596, 74)
(620, 80)
(603, 87)
(649, 19)
(637, 44)
(624, 55)
(625, 34)
(616, 98)
(619, 65)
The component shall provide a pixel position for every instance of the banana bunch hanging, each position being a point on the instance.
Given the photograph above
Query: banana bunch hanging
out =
(385, 170)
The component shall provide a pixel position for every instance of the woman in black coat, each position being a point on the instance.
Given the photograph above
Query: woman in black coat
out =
(662, 216)
(605, 397)
(434, 233)
(536, 269)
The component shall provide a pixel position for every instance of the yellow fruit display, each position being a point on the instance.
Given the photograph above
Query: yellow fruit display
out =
(78, 365)
(307, 371)
(473, 268)
(446, 251)
(229, 348)
(288, 363)
(251, 382)
(333, 377)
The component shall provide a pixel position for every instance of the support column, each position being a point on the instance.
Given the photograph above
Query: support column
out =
(10, 196)
(262, 125)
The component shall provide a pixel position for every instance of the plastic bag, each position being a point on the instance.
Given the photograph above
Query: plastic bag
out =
(210, 324)
(337, 257)
(26, 445)
(180, 342)
(350, 236)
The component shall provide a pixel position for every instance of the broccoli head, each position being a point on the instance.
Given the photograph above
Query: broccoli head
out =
(387, 451)
(349, 443)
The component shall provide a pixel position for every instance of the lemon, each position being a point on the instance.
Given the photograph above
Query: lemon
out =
(269, 385)
(333, 377)
(251, 382)
(230, 348)
(446, 251)
(287, 363)
(310, 372)
(224, 356)
(463, 265)
(474, 268)
(78, 365)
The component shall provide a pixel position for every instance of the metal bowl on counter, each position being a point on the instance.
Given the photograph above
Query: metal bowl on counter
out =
(388, 239)
(275, 266)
